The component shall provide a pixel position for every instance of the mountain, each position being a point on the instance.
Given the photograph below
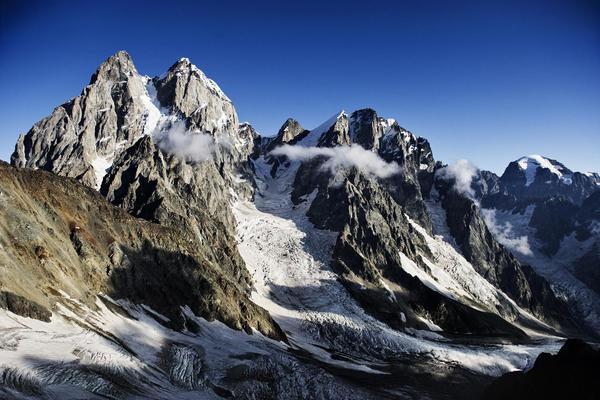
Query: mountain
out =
(548, 217)
(168, 251)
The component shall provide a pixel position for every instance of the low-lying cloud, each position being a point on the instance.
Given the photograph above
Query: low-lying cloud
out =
(504, 233)
(366, 161)
(191, 146)
(462, 173)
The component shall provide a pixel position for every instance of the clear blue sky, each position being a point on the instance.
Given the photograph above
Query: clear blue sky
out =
(483, 80)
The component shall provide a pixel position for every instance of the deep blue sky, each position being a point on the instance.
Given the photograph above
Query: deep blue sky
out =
(483, 80)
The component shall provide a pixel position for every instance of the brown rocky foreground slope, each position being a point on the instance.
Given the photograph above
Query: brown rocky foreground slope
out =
(57, 235)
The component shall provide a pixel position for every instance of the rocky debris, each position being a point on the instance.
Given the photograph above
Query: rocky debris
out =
(162, 266)
(570, 374)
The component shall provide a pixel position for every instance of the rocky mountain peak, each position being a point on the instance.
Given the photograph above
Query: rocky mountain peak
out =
(117, 67)
(189, 93)
(536, 177)
(337, 133)
(185, 69)
(532, 165)
(290, 132)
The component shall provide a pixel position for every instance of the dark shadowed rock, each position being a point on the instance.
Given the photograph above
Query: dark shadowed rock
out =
(553, 219)
(570, 374)
(22, 306)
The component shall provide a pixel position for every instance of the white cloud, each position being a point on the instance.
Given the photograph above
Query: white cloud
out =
(191, 146)
(462, 173)
(504, 233)
(366, 161)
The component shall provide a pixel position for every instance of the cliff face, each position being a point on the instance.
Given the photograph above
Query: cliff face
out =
(497, 265)
(80, 137)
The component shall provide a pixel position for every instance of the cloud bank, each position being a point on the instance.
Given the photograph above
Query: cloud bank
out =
(504, 233)
(462, 173)
(366, 161)
(191, 146)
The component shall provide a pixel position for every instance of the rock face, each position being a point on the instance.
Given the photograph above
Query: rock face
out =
(290, 132)
(125, 118)
(337, 134)
(498, 265)
(188, 92)
(366, 129)
(375, 243)
(63, 237)
(572, 373)
(80, 137)
(83, 137)
(166, 190)
(415, 157)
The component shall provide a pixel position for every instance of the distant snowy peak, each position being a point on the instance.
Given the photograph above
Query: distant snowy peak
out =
(532, 163)
(535, 178)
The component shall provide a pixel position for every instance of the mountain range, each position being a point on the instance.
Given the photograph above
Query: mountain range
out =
(155, 247)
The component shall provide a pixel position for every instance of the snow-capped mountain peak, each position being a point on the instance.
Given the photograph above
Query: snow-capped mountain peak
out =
(531, 163)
